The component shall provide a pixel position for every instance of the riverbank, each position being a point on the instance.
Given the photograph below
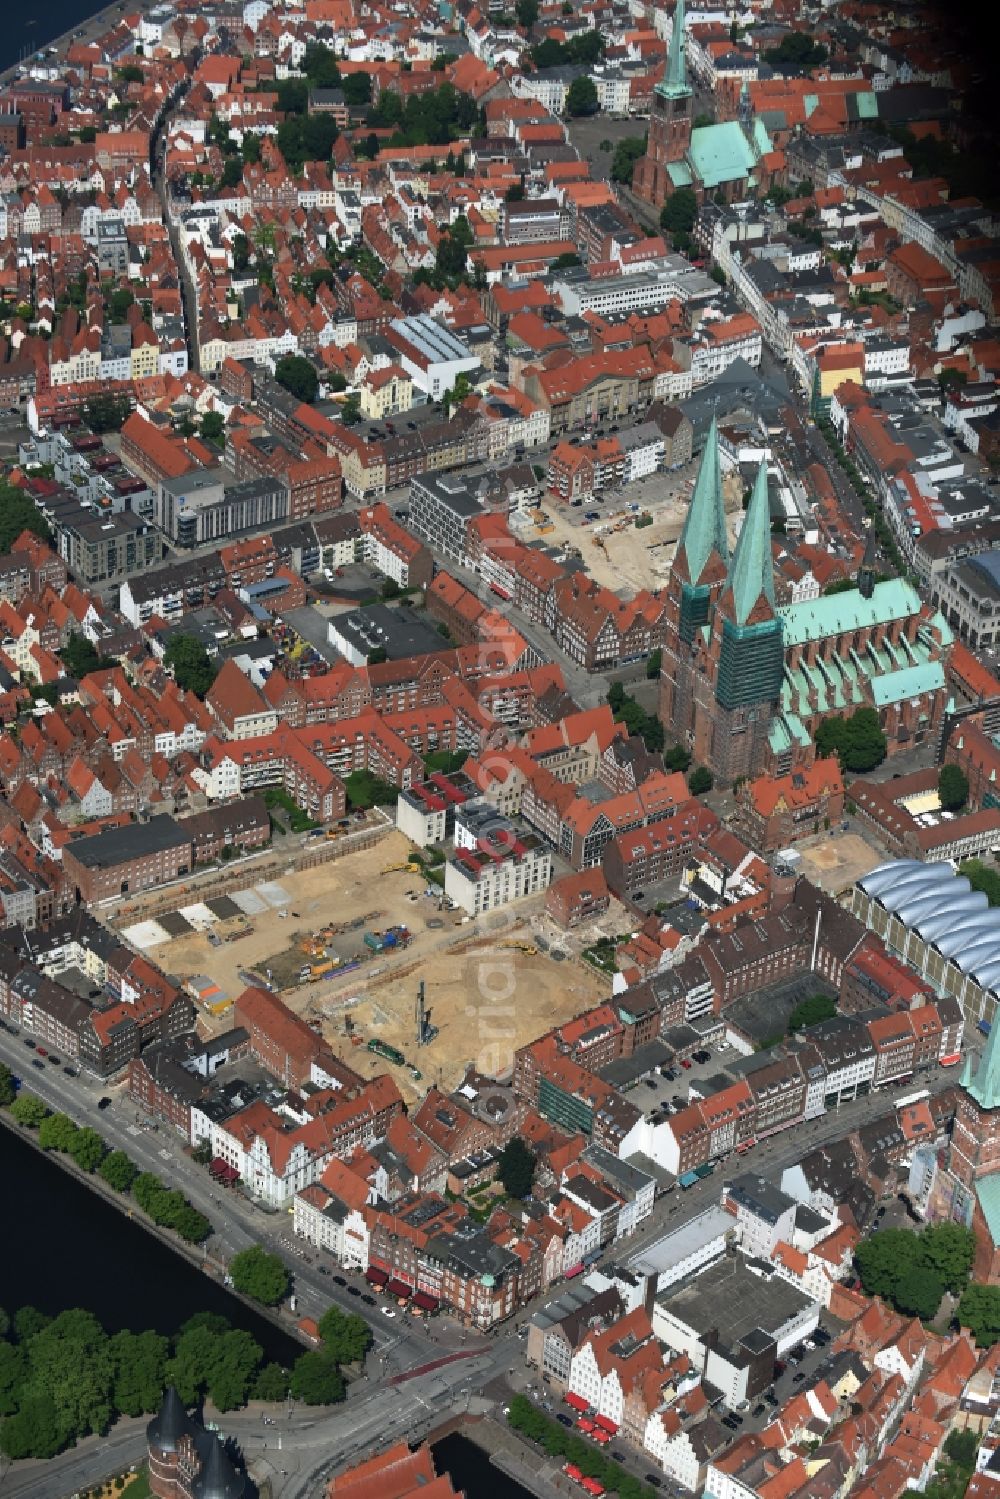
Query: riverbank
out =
(192, 1258)
(90, 23)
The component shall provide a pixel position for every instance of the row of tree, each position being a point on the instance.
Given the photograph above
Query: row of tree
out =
(166, 1208)
(558, 1441)
(64, 1378)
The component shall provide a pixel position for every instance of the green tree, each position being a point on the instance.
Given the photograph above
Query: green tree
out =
(700, 780)
(69, 1361)
(88, 1149)
(346, 1336)
(17, 514)
(138, 1361)
(28, 1110)
(527, 13)
(79, 657)
(654, 664)
(799, 49)
(953, 787)
(981, 877)
(7, 1090)
(811, 1011)
(979, 1310)
(350, 411)
(57, 1132)
(187, 658)
(193, 1360)
(106, 412)
(918, 1292)
(298, 375)
(271, 1383)
(119, 302)
(232, 171)
(213, 427)
(452, 255)
(366, 790)
(320, 66)
(28, 1321)
(357, 89)
(192, 1226)
(679, 211)
(516, 1167)
(857, 741)
(948, 1249)
(237, 1359)
(581, 97)
(884, 1257)
(13, 1371)
(628, 152)
(33, 1431)
(118, 1171)
(316, 1380)
(962, 1447)
(260, 1275)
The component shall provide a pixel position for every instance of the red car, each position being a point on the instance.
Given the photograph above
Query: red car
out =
(41, 1051)
(685, 1064)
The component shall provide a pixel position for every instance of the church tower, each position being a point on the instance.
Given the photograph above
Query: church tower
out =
(697, 577)
(746, 651)
(723, 657)
(975, 1139)
(669, 123)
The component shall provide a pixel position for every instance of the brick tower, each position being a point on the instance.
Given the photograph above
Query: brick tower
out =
(975, 1140)
(697, 578)
(723, 657)
(669, 124)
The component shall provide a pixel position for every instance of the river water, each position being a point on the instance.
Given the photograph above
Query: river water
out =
(65, 1246)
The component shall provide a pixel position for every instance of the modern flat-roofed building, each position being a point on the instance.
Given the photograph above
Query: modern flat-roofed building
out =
(199, 507)
(493, 863)
(733, 1320)
(431, 354)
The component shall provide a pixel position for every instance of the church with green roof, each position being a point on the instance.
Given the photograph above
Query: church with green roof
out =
(726, 158)
(745, 682)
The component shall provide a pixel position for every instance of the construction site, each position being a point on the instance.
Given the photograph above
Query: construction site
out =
(619, 552)
(348, 944)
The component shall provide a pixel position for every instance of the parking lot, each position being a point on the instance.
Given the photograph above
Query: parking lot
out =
(667, 1091)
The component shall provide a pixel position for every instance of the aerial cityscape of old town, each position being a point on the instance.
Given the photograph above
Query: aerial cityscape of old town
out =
(500, 754)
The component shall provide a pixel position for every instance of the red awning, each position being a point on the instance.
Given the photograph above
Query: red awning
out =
(572, 1471)
(585, 1423)
(606, 1423)
(576, 1270)
(376, 1277)
(601, 1437)
(577, 1402)
(398, 1288)
(425, 1302)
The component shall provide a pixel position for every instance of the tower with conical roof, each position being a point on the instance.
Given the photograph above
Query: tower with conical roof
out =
(697, 577)
(868, 571)
(746, 653)
(669, 122)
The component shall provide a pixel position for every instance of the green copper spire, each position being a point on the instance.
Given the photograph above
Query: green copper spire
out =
(705, 524)
(752, 570)
(675, 84)
(985, 1086)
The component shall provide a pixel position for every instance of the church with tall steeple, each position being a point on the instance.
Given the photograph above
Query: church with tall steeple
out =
(669, 120)
(722, 658)
(724, 159)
